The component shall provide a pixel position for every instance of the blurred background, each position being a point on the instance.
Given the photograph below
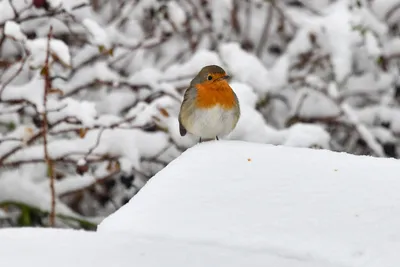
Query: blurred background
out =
(90, 90)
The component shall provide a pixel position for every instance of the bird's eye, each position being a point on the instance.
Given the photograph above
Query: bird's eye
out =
(209, 77)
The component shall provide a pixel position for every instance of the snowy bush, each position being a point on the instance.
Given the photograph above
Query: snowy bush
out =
(90, 91)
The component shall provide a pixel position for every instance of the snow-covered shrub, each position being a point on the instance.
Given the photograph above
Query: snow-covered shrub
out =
(90, 90)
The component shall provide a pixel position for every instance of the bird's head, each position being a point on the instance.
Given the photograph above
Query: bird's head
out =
(210, 75)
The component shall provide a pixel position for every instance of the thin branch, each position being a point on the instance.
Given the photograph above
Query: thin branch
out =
(90, 151)
(49, 162)
(280, 9)
(16, 14)
(267, 27)
(391, 11)
(21, 67)
(48, 14)
(61, 159)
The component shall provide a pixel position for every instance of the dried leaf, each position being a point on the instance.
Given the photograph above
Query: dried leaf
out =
(56, 91)
(164, 112)
(28, 133)
(44, 71)
(82, 132)
(113, 166)
(58, 59)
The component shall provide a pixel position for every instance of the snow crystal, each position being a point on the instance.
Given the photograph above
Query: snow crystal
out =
(13, 30)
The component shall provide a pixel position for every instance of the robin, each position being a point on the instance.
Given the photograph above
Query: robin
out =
(210, 107)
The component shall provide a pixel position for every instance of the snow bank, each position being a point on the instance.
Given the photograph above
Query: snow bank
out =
(311, 205)
(65, 248)
(233, 203)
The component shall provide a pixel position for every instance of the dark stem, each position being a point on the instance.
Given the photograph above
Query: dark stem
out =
(50, 167)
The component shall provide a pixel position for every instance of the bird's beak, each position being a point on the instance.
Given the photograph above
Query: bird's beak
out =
(226, 77)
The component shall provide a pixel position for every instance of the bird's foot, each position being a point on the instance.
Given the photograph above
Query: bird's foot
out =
(217, 138)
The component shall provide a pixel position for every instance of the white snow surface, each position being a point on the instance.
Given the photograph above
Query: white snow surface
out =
(234, 203)
(317, 207)
(44, 247)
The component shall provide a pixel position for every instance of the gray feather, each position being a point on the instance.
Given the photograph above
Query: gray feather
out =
(187, 109)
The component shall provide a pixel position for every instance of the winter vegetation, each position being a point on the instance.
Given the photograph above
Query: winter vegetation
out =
(90, 90)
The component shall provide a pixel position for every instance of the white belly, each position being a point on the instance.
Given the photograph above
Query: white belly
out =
(209, 123)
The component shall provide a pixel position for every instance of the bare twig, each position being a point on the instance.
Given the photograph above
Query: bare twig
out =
(247, 26)
(16, 14)
(90, 151)
(48, 160)
(47, 14)
(280, 9)
(264, 35)
(12, 77)
(392, 11)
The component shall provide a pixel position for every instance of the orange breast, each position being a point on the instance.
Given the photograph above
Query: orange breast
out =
(210, 94)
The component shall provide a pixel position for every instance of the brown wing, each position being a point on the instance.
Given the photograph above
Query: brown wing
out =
(186, 97)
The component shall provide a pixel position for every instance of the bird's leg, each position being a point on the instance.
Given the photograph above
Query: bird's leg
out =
(200, 140)
(217, 138)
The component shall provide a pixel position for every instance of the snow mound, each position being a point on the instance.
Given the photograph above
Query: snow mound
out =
(316, 206)
(66, 248)
(233, 203)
